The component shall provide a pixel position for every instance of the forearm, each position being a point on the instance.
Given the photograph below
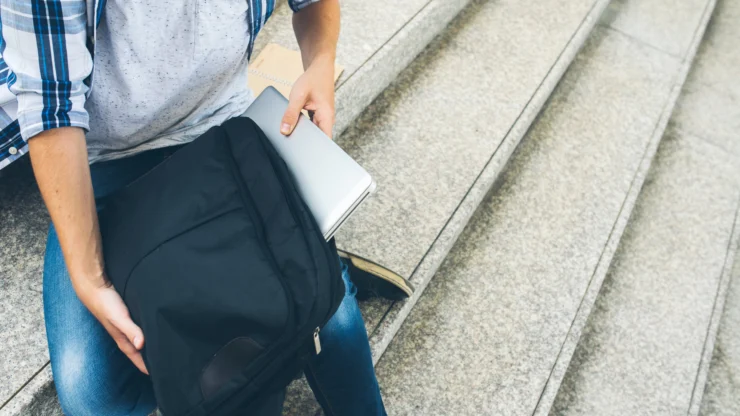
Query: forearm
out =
(317, 31)
(59, 159)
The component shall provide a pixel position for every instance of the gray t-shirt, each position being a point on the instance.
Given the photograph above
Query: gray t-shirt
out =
(191, 58)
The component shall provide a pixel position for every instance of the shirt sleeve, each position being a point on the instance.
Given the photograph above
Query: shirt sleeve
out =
(297, 5)
(44, 44)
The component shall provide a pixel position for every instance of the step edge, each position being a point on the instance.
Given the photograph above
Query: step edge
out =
(702, 372)
(19, 403)
(389, 326)
(565, 355)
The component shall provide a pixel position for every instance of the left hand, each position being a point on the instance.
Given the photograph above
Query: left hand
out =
(313, 91)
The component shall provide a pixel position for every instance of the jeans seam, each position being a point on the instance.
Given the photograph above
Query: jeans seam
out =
(321, 390)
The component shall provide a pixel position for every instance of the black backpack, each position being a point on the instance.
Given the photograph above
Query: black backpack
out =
(223, 267)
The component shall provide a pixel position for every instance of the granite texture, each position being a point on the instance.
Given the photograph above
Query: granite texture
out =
(37, 398)
(644, 341)
(23, 226)
(426, 139)
(487, 332)
(722, 394)
(713, 115)
(664, 24)
(711, 104)
(719, 58)
(714, 81)
(423, 273)
(579, 322)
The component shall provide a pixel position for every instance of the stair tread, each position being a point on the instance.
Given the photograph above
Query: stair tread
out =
(654, 22)
(494, 331)
(426, 139)
(641, 348)
(436, 140)
(710, 109)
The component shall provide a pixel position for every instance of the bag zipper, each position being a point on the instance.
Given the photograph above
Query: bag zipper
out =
(316, 340)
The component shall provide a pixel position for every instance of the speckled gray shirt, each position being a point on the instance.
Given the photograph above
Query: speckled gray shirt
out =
(166, 71)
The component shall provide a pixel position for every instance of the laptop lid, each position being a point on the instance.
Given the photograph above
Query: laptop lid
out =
(331, 183)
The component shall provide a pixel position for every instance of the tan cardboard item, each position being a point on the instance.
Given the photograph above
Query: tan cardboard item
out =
(279, 67)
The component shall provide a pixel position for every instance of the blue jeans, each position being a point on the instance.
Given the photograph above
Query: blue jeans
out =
(93, 377)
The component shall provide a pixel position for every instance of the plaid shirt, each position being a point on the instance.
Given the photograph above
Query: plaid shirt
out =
(46, 61)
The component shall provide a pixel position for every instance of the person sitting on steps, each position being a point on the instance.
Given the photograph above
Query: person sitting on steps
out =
(99, 92)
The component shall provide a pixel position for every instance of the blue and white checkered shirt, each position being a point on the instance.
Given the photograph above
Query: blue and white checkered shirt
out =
(46, 61)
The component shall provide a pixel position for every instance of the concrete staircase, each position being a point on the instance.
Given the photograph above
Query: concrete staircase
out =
(505, 188)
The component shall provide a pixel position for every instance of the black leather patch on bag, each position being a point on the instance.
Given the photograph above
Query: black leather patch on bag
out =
(228, 363)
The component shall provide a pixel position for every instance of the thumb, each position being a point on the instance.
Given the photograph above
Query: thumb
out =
(290, 118)
(132, 332)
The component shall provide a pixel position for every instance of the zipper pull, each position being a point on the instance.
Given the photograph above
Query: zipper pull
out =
(316, 341)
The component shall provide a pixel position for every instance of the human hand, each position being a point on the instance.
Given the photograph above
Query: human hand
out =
(313, 91)
(108, 308)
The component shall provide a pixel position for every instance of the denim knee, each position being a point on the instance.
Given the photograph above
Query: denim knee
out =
(86, 387)
(74, 382)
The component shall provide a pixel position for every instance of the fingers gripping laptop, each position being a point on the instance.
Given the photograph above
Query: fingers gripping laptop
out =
(331, 183)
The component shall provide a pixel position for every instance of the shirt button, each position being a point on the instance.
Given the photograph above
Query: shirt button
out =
(13, 150)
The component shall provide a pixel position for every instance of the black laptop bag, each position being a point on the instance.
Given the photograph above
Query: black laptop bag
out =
(223, 267)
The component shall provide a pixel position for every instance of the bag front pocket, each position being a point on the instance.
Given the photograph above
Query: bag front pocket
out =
(198, 292)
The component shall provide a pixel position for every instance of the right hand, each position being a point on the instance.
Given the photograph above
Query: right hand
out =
(108, 307)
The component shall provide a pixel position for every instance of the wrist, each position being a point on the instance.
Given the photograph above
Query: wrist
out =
(89, 281)
(322, 60)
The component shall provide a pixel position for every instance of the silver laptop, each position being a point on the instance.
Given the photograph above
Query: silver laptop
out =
(331, 183)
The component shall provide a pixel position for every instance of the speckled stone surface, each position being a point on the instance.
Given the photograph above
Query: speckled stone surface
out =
(719, 59)
(23, 227)
(714, 115)
(579, 322)
(722, 394)
(714, 80)
(37, 398)
(644, 340)
(485, 180)
(711, 106)
(426, 139)
(654, 22)
(487, 332)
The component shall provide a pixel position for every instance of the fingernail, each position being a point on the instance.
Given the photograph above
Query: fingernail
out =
(137, 341)
(285, 128)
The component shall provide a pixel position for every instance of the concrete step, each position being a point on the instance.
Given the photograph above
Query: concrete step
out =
(496, 329)
(648, 345)
(437, 139)
(710, 109)
(722, 390)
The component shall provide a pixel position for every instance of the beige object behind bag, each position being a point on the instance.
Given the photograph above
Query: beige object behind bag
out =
(278, 67)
